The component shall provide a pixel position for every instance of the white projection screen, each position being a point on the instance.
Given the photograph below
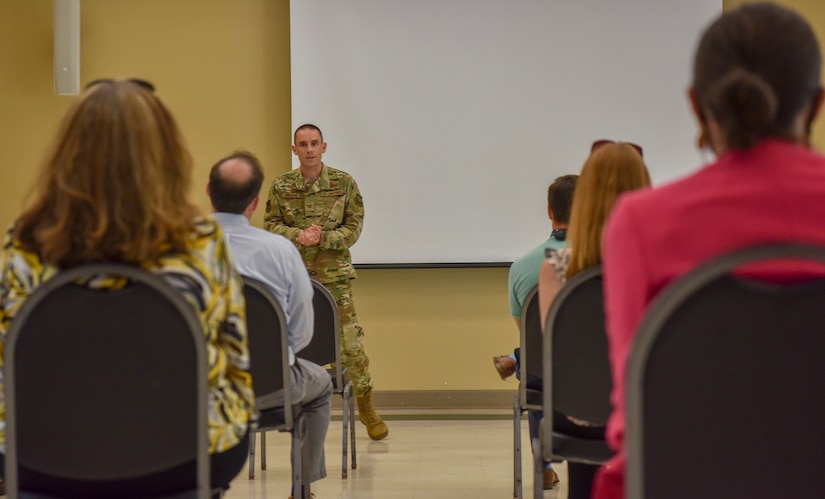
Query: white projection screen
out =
(455, 115)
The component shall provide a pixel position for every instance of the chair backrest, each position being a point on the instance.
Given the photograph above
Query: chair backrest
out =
(577, 377)
(106, 384)
(268, 346)
(531, 342)
(325, 347)
(724, 384)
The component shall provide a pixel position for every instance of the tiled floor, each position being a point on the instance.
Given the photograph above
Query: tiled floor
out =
(420, 460)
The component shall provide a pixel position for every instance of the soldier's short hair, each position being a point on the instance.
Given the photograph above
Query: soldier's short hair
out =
(229, 196)
(560, 197)
(306, 126)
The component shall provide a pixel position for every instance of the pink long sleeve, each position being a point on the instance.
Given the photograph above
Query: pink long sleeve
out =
(626, 295)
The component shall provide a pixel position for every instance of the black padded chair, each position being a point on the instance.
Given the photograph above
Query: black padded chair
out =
(106, 384)
(530, 366)
(576, 372)
(725, 384)
(325, 349)
(269, 355)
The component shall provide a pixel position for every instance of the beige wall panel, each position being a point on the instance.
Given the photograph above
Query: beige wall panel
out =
(435, 329)
(222, 67)
(29, 109)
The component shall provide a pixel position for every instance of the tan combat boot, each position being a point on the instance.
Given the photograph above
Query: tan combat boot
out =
(376, 427)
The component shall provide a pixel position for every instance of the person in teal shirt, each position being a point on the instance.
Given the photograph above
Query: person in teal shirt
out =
(524, 275)
(524, 272)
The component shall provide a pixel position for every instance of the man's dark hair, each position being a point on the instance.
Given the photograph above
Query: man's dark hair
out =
(560, 197)
(306, 126)
(229, 196)
(755, 69)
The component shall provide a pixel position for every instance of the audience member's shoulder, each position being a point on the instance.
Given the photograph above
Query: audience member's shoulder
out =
(12, 246)
(668, 201)
(527, 263)
(559, 258)
(206, 228)
(523, 261)
(518, 265)
(558, 253)
(659, 194)
(207, 235)
(8, 238)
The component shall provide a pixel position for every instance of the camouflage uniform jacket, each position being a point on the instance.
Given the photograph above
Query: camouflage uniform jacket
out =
(332, 202)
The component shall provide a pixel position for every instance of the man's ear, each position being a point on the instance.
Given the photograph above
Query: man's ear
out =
(549, 212)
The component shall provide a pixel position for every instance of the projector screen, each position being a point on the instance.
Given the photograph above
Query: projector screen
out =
(454, 116)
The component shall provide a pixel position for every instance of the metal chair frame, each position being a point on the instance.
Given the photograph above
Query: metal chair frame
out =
(323, 352)
(288, 418)
(653, 330)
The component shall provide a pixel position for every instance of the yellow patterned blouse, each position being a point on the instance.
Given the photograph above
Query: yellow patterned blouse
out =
(205, 275)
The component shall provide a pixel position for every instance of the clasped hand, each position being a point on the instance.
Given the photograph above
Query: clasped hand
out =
(310, 235)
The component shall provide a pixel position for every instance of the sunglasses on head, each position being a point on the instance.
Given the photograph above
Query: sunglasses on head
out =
(141, 83)
(604, 142)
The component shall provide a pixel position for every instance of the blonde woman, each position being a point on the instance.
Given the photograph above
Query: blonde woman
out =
(113, 188)
(612, 169)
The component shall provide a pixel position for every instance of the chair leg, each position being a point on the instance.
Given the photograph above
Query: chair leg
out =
(351, 397)
(345, 435)
(305, 466)
(297, 457)
(263, 450)
(252, 435)
(538, 470)
(517, 448)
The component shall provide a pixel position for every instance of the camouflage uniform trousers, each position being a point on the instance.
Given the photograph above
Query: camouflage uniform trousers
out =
(353, 356)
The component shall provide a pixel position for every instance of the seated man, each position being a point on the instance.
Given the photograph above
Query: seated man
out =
(524, 275)
(234, 184)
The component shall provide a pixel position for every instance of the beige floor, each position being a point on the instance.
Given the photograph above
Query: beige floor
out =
(420, 459)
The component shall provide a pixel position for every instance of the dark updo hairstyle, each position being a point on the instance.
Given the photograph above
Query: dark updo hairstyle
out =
(755, 69)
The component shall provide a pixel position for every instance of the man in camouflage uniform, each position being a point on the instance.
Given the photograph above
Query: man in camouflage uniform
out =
(320, 210)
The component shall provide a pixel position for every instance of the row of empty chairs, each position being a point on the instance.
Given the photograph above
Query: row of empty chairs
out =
(723, 381)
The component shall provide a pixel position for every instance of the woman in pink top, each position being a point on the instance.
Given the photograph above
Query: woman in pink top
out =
(756, 89)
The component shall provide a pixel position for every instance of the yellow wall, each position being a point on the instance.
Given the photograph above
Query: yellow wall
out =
(222, 66)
